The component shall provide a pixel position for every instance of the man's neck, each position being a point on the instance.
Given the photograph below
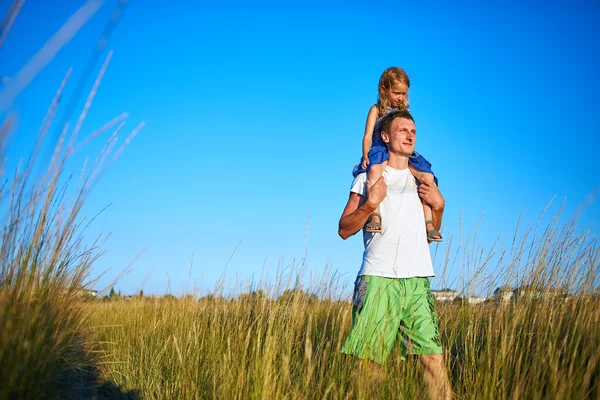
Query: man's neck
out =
(397, 161)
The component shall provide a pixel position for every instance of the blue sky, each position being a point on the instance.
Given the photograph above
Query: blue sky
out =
(254, 120)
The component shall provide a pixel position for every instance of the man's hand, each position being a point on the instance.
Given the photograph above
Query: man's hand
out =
(376, 192)
(358, 208)
(430, 193)
(365, 162)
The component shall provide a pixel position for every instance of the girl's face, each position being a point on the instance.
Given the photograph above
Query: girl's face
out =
(397, 94)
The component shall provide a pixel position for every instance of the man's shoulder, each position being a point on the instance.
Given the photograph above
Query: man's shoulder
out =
(359, 184)
(361, 177)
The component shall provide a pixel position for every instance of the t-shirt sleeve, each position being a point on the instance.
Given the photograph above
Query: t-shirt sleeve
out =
(359, 184)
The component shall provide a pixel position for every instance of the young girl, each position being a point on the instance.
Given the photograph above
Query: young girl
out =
(393, 95)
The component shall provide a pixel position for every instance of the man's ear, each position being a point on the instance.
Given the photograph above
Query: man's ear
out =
(385, 137)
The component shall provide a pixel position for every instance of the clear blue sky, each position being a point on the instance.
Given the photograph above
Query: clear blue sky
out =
(255, 115)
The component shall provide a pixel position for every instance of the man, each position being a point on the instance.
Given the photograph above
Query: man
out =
(391, 294)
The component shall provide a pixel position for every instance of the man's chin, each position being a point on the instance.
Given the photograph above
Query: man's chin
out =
(402, 153)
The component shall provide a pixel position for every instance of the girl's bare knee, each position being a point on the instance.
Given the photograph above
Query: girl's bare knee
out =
(425, 177)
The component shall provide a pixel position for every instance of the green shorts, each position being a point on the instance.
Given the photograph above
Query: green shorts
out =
(384, 309)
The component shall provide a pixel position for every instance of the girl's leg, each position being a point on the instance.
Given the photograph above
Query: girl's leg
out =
(432, 233)
(374, 222)
(421, 176)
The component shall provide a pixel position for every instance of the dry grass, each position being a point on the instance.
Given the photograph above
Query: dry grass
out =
(257, 347)
(45, 351)
(216, 348)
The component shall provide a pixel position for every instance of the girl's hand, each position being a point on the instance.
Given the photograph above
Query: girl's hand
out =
(365, 162)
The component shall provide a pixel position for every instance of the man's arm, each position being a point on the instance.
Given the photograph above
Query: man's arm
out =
(355, 215)
(358, 208)
(430, 193)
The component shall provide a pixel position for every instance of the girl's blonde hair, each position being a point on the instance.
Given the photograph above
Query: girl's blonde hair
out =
(389, 78)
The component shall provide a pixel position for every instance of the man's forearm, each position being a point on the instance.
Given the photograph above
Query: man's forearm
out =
(352, 223)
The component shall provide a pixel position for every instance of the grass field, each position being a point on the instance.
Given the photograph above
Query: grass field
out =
(260, 348)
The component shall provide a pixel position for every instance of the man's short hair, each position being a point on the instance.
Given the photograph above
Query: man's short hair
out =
(387, 119)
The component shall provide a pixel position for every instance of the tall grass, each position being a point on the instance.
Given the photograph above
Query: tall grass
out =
(45, 263)
(44, 266)
(259, 346)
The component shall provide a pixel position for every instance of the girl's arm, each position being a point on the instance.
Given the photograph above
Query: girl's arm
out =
(369, 127)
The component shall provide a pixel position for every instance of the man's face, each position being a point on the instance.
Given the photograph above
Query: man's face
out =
(402, 136)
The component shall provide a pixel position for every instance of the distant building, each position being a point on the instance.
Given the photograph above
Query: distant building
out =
(506, 294)
(532, 293)
(503, 294)
(475, 300)
(445, 295)
(83, 292)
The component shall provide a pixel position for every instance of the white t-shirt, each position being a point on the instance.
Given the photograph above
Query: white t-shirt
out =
(401, 250)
